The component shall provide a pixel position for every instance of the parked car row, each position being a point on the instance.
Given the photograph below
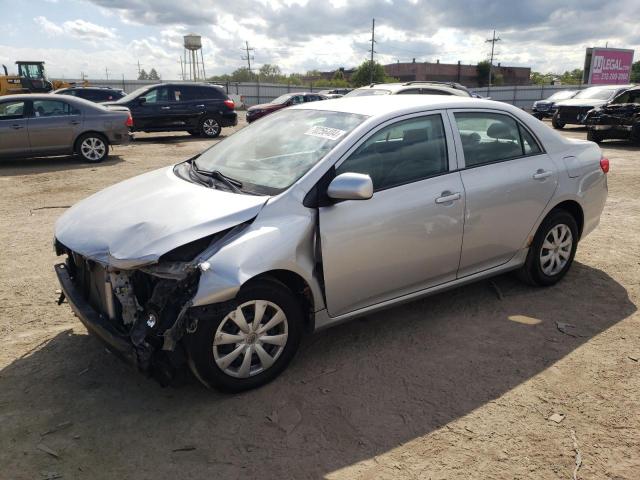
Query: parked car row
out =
(608, 111)
(317, 214)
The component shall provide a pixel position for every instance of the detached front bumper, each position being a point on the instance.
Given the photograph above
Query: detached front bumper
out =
(96, 323)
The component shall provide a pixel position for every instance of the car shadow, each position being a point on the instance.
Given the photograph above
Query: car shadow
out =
(28, 166)
(155, 138)
(353, 392)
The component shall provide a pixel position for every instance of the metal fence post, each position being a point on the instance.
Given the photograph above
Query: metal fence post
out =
(258, 87)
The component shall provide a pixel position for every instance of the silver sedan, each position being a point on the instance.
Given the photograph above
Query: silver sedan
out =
(319, 214)
(47, 125)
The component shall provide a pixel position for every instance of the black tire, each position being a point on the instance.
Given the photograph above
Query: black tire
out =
(539, 116)
(557, 124)
(200, 344)
(210, 126)
(92, 147)
(532, 271)
(594, 136)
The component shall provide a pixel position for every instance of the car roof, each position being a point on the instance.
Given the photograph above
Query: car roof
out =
(414, 84)
(611, 87)
(386, 104)
(52, 96)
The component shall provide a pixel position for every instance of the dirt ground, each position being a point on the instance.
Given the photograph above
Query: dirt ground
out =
(457, 386)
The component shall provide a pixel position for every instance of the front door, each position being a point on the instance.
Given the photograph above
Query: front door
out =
(53, 127)
(14, 139)
(152, 111)
(508, 180)
(408, 236)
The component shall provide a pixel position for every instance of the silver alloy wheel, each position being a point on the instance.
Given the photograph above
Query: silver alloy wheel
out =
(556, 249)
(250, 338)
(93, 148)
(210, 127)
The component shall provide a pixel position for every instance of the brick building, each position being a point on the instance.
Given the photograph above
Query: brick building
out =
(456, 72)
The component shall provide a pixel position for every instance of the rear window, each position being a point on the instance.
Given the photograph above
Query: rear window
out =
(190, 92)
(367, 92)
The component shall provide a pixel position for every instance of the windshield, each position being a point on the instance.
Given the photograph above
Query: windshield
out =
(630, 96)
(270, 155)
(562, 95)
(132, 95)
(367, 92)
(282, 99)
(596, 93)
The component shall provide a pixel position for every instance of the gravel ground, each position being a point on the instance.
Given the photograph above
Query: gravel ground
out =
(458, 385)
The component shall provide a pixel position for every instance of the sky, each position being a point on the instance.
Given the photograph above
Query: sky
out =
(110, 37)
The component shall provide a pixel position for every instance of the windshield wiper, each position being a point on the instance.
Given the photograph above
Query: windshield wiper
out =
(233, 184)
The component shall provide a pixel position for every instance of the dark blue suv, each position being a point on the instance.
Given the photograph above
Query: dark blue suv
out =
(198, 108)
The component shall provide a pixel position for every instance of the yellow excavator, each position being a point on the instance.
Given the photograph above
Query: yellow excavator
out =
(31, 78)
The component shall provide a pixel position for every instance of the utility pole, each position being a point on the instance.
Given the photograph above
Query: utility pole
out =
(373, 41)
(248, 57)
(138, 68)
(106, 72)
(492, 41)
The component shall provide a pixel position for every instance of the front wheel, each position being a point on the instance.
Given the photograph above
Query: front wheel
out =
(210, 127)
(250, 343)
(556, 123)
(92, 147)
(594, 136)
(552, 251)
(539, 116)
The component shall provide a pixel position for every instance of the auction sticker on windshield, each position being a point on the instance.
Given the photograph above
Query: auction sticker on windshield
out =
(325, 132)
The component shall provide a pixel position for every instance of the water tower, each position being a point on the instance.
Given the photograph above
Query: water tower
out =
(193, 67)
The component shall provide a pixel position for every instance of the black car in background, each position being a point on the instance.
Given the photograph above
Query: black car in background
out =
(93, 94)
(618, 119)
(574, 110)
(197, 108)
(547, 107)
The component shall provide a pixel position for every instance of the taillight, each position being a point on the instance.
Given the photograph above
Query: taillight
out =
(129, 122)
(230, 104)
(604, 164)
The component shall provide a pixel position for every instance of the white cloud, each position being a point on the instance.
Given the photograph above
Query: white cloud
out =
(80, 29)
(48, 26)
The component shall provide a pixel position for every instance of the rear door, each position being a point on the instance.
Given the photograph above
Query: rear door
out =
(508, 181)
(53, 126)
(14, 140)
(407, 237)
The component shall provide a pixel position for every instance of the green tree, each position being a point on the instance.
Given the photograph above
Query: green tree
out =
(153, 75)
(143, 75)
(338, 75)
(573, 77)
(368, 71)
(269, 72)
(538, 78)
(635, 72)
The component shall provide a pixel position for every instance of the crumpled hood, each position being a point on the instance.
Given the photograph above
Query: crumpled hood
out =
(134, 222)
(581, 102)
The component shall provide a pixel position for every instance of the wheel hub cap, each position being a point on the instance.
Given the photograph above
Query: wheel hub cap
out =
(93, 148)
(250, 339)
(556, 250)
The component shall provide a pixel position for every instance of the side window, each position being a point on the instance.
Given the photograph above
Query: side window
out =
(297, 99)
(401, 153)
(157, 95)
(11, 110)
(492, 137)
(52, 108)
(311, 98)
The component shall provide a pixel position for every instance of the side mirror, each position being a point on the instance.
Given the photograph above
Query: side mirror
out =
(351, 186)
(142, 100)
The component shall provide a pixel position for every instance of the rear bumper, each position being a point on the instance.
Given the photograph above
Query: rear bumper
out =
(97, 324)
(120, 138)
(229, 119)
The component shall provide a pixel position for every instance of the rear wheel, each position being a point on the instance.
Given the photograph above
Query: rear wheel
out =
(210, 127)
(250, 343)
(538, 115)
(92, 147)
(556, 123)
(552, 250)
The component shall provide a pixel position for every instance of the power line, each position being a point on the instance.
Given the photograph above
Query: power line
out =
(373, 41)
(249, 57)
(493, 42)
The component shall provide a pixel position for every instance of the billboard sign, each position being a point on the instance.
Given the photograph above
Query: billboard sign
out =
(607, 66)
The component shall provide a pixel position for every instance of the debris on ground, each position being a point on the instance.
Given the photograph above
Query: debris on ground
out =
(43, 448)
(557, 417)
(186, 448)
(564, 328)
(496, 289)
(57, 428)
(635, 358)
(51, 475)
(578, 455)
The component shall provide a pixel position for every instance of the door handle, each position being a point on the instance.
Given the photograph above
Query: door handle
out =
(165, 108)
(75, 122)
(542, 174)
(17, 126)
(447, 197)
(199, 106)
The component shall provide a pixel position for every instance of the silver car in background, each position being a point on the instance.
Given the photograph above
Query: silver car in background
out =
(40, 125)
(318, 214)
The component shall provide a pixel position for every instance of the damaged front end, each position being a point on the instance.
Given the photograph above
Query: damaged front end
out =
(615, 121)
(142, 314)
